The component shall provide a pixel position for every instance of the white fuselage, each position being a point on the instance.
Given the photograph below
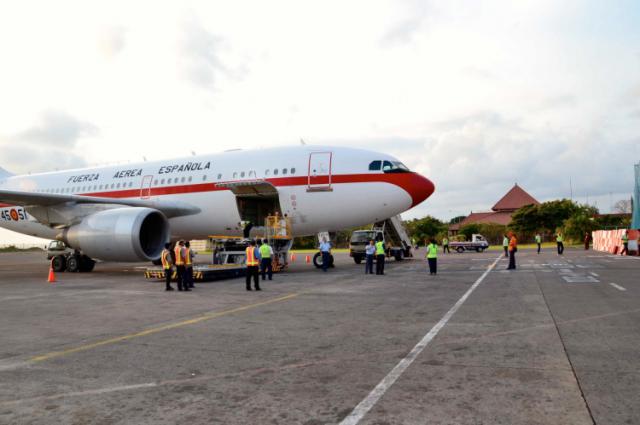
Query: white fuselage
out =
(318, 188)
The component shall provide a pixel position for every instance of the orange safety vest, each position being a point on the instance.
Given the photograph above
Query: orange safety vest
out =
(166, 263)
(251, 257)
(178, 251)
(513, 243)
(187, 256)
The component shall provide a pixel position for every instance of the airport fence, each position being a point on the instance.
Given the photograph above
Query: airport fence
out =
(611, 240)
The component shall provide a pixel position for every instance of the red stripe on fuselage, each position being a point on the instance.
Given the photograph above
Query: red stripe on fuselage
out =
(417, 186)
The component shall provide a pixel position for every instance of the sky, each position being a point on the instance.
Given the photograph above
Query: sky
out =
(475, 95)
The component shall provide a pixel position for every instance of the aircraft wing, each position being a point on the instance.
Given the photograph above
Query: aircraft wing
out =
(31, 200)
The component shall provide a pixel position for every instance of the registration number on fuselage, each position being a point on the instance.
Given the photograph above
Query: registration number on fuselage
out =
(13, 214)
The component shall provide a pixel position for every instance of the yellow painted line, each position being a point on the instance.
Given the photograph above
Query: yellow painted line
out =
(151, 331)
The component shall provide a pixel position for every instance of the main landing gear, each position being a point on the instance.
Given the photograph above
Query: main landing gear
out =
(72, 263)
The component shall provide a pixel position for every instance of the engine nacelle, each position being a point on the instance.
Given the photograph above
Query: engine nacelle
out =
(120, 234)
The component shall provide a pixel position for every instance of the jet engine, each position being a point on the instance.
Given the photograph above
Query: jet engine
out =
(120, 234)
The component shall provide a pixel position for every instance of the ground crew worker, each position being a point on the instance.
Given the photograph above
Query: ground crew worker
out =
(625, 243)
(180, 269)
(505, 245)
(325, 250)
(165, 257)
(380, 254)
(513, 248)
(252, 266)
(587, 238)
(188, 265)
(445, 245)
(369, 251)
(538, 241)
(559, 242)
(266, 260)
(432, 257)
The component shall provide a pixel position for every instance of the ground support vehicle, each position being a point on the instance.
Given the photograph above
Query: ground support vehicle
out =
(391, 231)
(478, 243)
(228, 253)
(64, 258)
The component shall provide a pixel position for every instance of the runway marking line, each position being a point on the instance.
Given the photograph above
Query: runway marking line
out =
(618, 287)
(372, 398)
(151, 331)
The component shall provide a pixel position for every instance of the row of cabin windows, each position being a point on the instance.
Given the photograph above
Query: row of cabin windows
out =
(388, 166)
(157, 182)
(78, 189)
(267, 172)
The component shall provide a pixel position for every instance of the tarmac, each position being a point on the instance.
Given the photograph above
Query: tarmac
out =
(555, 342)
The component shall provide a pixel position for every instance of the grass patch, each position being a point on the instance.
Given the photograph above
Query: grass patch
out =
(13, 248)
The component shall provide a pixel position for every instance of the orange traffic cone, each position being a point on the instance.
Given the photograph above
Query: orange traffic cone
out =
(52, 276)
(308, 259)
(293, 258)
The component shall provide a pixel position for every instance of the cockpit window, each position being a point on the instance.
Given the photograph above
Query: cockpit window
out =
(394, 167)
(375, 166)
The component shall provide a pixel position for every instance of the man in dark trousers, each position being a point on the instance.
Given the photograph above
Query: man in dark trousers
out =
(325, 250)
(266, 259)
(370, 252)
(625, 243)
(253, 268)
(165, 257)
(180, 268)
(380, 254)
(432, 257)
(188, 265)
(513, 248)
(560, 243)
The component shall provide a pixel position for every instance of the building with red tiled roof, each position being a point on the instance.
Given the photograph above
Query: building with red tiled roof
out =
(501, 212)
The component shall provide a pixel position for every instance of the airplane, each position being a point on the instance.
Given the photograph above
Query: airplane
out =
(128, 212)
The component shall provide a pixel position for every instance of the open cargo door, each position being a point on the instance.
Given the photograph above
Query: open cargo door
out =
(256, 200)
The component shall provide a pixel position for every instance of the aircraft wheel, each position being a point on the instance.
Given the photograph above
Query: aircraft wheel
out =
(479, 249)
(73, 264)
(86, 264)
(460, 249)
(317, 260)
(59, 263)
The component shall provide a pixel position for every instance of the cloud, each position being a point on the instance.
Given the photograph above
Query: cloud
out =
(475, 159)
(57, 128)
(52, 143)
(201, 56)
(111, 41)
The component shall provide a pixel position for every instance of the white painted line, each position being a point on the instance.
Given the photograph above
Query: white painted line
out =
(618, 287)
(594, 274)
(370, 400)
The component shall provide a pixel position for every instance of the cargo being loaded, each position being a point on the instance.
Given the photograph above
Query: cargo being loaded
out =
(228, 258)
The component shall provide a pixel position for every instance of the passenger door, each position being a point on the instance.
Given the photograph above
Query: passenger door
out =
(145, 188)
(319, 171)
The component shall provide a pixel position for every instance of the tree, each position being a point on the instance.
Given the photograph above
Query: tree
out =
(581, 221)
(623, 206)
(469, 229)
(547, 216)
(526, 219)
(425, 228)
(457, 219)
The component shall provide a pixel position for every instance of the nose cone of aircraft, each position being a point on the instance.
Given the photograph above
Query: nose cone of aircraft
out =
(419, 187)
